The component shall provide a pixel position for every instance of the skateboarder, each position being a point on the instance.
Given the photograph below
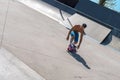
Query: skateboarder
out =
(74, 32)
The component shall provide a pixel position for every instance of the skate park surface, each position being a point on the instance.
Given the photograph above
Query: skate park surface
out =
(39, 42)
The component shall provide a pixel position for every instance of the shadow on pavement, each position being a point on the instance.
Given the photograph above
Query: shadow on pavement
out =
(79, 59)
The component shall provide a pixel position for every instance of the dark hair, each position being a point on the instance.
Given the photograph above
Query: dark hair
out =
(84, 25)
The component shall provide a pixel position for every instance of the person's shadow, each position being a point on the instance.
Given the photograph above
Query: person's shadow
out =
(79, 59)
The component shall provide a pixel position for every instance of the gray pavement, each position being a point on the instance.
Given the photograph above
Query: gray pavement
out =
(12, 68)
(40, 42)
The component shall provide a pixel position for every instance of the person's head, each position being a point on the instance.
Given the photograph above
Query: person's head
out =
(84, 25)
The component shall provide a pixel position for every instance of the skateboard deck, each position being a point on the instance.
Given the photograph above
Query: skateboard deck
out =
(71, 48)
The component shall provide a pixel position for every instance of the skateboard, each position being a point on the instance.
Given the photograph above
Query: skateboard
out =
(71, 48)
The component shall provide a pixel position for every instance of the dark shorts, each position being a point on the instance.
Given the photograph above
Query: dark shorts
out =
(75, 34)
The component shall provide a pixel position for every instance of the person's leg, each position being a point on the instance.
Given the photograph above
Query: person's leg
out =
(70, 46)
(72, 36)
(76, 38)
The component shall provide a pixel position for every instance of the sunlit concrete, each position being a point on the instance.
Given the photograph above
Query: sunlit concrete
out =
(11, 68)
(40, 42)
(94, 30)
(115, 43)
(54, 13)
(46, 9)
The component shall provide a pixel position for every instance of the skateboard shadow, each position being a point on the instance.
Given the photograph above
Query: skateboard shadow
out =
(79, 59)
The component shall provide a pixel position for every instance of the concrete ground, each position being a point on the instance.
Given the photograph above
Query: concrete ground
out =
(12, 68)
(40, 42)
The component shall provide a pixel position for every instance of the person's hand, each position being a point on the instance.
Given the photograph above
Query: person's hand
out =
(67, 38)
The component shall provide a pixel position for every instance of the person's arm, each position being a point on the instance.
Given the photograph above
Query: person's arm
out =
(69, 33)
(81, 37)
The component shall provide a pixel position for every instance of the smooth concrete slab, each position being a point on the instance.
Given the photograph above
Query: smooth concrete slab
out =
(12, 68)
(94, 30)
(3, 12)
(46, 9)
(40, 42)
(115, 43)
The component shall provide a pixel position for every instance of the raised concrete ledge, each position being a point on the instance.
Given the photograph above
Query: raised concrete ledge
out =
(94, 30)
(12, 68)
